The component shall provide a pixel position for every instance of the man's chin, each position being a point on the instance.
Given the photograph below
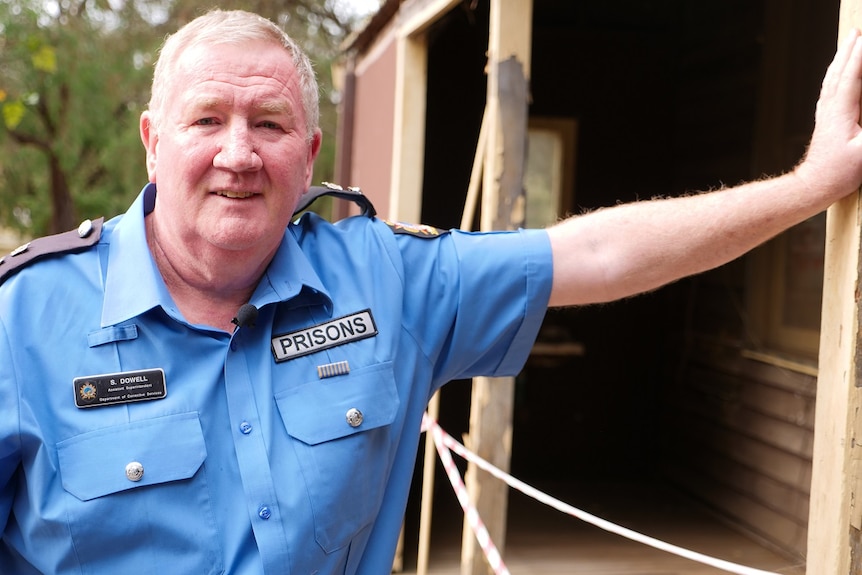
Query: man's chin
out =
(246, 239)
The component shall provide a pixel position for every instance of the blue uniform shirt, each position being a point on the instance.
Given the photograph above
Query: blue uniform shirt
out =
(247, 465)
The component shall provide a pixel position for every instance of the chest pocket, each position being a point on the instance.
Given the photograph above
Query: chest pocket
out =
(343, 443)
(137, 481)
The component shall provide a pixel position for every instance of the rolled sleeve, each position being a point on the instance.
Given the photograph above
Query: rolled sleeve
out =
(538, 276)
(475, 301)
(505, 286)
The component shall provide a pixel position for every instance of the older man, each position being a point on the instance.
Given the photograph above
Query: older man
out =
(148, 424)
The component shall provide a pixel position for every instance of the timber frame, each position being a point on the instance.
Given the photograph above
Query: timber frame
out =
(835, 522)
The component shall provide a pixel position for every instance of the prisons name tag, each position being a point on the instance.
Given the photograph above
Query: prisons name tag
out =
(323, 336)
(123, 387)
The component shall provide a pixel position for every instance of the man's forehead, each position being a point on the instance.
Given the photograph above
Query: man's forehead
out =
(254, 60)
(201, 73)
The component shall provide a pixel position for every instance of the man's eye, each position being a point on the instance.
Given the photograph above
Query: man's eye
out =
(269, 125)
(206, 122)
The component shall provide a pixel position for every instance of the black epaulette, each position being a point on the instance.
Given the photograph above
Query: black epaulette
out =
(355, 195)
(327, 189)
(87, 235)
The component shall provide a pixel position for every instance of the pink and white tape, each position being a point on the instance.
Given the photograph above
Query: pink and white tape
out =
(470, 512)
(444, 442)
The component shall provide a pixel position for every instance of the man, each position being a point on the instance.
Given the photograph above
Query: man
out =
(200, 386)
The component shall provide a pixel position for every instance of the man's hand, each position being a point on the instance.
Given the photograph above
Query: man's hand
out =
(833, 162)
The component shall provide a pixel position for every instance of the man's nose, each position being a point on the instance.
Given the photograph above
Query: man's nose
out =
(237, 151)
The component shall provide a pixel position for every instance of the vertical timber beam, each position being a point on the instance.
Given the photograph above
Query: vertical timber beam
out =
(503, 200)
(411, 88)
(408, 143)
(835, 520)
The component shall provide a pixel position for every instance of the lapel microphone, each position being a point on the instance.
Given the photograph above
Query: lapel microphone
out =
(246, 316)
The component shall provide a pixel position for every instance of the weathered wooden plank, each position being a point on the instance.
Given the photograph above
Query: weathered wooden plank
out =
(746, 513)
(771, 462)
(792, 407)
(705, 377)
(835, 482)
(415, 16)
(724, 358)
(503, 200)
(408, 147)
(790, 501)
(745, 422)
(749, 427)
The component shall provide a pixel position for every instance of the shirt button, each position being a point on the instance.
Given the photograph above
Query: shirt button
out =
(233, 345)
(354, 417)
(134, 471)
(264, 512)
(245, 427)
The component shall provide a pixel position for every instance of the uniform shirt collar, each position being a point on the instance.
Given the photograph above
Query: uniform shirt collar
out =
(291, 278)
(134, 286)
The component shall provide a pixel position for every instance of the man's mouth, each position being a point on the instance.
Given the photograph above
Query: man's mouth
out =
(234, 195)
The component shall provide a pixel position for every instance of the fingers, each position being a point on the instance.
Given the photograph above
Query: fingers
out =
(853, 70)
(847, 60)
(833, 161)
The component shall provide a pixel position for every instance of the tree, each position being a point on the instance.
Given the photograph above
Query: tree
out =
(72, 88)
(74, 79)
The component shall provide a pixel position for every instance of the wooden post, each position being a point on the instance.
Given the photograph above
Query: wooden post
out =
(414, 19)
(423, 552)
(835, 520)
(502, 208)
(408, 148)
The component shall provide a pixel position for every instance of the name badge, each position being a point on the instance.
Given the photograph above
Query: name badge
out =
(124, 387)
(323, 336)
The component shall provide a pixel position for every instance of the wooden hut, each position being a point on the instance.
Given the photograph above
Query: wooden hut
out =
(708, 387)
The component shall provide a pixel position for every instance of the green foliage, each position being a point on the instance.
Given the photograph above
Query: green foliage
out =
(72, 94)
(74, 79)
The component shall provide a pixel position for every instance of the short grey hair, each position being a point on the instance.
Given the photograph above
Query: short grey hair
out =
(233, 27)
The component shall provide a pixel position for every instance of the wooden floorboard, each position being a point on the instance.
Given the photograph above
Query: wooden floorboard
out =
(543, 541)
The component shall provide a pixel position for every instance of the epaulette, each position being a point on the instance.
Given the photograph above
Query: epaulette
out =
(87, 234)
(418, 230)
(351, 194)
(355, 195)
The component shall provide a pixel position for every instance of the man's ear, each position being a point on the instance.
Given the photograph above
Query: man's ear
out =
(313, 150)
(150, 139)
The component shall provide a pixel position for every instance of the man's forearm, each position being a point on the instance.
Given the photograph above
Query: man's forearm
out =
(632, 248)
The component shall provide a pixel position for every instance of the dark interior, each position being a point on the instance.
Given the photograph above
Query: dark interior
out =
(666, 95)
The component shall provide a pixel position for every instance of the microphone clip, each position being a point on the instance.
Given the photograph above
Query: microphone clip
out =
(246, 316)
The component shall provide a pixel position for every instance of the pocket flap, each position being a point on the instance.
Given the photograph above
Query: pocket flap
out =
(167, 448)
(318, 411)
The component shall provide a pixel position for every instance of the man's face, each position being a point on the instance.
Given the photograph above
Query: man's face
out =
(231, 156)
